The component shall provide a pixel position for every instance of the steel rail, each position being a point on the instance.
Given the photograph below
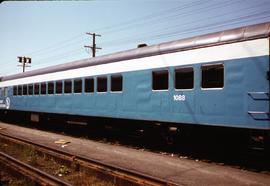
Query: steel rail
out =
(33, 173)
(123, 173)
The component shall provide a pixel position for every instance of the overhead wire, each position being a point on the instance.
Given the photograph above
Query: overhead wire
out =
(109, 27)
(53, 48)
(181, 26)
(179, 13)
(151, 16)
(154, 19)
(62, 44)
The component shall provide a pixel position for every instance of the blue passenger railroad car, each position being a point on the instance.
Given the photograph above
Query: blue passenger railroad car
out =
(219, 79)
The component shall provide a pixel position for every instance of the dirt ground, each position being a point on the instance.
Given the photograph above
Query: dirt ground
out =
(30, 156)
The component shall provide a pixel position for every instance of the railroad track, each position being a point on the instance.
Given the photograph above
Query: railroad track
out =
(118, 173)
(23, 169)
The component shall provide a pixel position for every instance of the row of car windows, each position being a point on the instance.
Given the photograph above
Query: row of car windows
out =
(70, 86)
(212, 76)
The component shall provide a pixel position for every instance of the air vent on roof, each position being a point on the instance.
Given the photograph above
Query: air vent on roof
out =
(141, 45)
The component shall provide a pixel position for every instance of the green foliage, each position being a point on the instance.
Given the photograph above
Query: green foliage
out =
(30, 155)
(63, 171)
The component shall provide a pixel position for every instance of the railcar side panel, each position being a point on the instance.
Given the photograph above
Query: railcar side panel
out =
(242, 101)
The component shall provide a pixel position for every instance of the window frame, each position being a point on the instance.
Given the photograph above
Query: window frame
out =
(71, 86)
(36, 94)
(23, 89)
(14, 87)
(174, 80)
(43, 93)
(84, 80)
(28, 85)
(74, 85)
(102, 77)
(20, 88)
(48, 85)
(152, 78)
(212, 88)
(111, 78)
(56, 92)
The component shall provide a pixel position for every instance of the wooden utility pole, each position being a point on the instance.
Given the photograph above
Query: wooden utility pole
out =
(24, 60)
(93, 47)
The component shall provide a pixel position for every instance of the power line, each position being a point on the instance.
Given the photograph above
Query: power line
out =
(50, 47)
(184, 25)
(132, 21)
(55, 45)
(143, 20)
(59, 56)
(159, 18)
(148, 18)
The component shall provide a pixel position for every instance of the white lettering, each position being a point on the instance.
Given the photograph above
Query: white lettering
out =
(179, 97)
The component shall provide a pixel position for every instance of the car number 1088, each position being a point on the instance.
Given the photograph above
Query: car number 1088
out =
(179, 97)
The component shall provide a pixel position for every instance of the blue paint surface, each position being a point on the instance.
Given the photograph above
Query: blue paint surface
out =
(228, 106)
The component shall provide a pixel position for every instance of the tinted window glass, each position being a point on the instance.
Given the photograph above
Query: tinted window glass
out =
(160, 80)
(24, 89)
(36, 91)
(43, 88)
(102, 84)
(116, 83)
(15, 90)
(89, 85)
(212, 76)
(184, 78)
(59, 85)
(51, 88)
(19, 90)
(30, 89)
(68, 86)
(77, 85)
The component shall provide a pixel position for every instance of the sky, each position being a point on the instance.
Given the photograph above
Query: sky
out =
(54, 32)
